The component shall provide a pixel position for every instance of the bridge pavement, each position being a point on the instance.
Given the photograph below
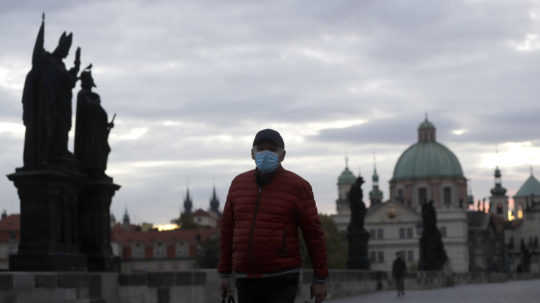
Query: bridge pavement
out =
(509, 292)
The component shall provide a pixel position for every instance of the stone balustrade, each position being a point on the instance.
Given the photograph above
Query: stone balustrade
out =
(202, 286)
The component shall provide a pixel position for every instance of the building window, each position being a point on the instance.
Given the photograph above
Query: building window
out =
(409, 233)
(126, 252)
(159, 250)
(402, 233)
(442, 229)
(447, 196)
(380, 256)
(422, 195)
(400, 195)
(499, 209)
(410, 255)
(372, 234)
(182, 249)
(138, 251)
(373, 257)
(380, 233)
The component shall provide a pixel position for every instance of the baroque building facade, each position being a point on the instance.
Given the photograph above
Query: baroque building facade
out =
(523, 233)
(426, 171)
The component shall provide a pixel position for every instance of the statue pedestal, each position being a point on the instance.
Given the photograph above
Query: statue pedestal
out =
(358, 249)
(95, 227)
(49, 239)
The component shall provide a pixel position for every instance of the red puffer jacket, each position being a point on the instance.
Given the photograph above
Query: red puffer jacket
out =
(259, 227)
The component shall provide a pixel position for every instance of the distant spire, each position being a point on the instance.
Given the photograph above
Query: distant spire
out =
(126, 220)
(188, 203)
(426, 116)
(375, 195)
(375, 177)
(532, 170)
(346, 161)
(214, 202)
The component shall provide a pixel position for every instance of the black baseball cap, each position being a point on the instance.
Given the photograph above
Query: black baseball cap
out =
(268, 135)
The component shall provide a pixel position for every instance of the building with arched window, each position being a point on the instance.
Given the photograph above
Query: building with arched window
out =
(425, 171)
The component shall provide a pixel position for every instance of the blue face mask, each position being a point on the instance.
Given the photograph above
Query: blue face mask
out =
(266, 161)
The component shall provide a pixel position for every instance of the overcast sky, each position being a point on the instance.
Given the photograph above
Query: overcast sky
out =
(193, 81)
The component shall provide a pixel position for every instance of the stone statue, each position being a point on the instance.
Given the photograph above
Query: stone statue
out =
(64, 201)
(92, 128)
(432, 253)
(358, 208)
(47, 102)
(356, 234)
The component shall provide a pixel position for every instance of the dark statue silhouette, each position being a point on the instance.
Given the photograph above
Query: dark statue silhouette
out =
(356, 234)
(65, 198)
(92, 128)
(432, 253)
(46, 102)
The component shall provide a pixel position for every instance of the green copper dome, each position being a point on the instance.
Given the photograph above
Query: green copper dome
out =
(427, 158)
(530, 187)
(346, 177)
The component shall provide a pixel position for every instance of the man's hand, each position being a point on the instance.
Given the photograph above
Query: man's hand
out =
(318, 291)
(225, 287)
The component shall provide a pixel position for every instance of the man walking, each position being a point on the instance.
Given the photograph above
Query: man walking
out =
(259, 229)
(399, 269)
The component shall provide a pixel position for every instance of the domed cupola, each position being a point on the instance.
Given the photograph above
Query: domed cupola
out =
(427, 158)
(375, 195)
(346, 177)
(345, 180)
(498, 190)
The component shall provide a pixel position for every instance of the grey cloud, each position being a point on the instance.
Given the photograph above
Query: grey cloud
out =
(500, 127)
(397, 130)
(237, 65)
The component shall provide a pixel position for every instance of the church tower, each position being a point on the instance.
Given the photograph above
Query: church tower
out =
(125, 219)
(375, 195)
(188, 203)
(345, 180)
(214, 203)
(498, 201)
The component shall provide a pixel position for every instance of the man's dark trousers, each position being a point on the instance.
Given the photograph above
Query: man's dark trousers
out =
(278, 289)
(400, 285)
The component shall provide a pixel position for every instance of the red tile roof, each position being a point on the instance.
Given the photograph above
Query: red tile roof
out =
(11, 223)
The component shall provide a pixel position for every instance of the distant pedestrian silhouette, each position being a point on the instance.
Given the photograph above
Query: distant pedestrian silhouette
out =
(399, 269)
